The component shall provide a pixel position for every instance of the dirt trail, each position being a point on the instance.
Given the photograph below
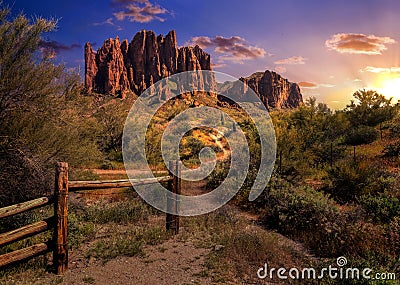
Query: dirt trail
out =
(173, 262)
(217, 140)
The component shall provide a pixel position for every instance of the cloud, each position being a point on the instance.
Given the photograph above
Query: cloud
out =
(109, 22)
(292, 60)
(312, 85)
(373, 69)
(141, 11)
(326, 85)
(358, 43)
(232, 49)
(52, 48)
(306, 84)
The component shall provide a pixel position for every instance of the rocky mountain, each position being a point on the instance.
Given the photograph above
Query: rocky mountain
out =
(274, 91)
(118, 67)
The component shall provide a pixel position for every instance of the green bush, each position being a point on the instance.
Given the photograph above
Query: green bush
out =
(218, 175)
(361, 135)
(312, 218)
(347, 181)
(381, 208)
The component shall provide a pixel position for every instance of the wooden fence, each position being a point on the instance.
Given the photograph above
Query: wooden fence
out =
(59, 222)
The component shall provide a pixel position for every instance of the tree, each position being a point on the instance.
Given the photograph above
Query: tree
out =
(370, 108)
(26, 74)
(40, 112)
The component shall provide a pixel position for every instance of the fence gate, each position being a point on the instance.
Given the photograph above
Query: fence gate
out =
(59, 221)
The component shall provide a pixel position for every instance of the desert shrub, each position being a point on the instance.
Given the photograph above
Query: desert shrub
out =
(381, 208)
(370, 108)
(22, 177)
(111, 116)
(110, 165)
(191, 148)
(392, 150)
(347, 181)
(328, 230)
(116, 155)
(306, 215)
(322, 152)
(394, 126)
(361, 135)
(218, 175)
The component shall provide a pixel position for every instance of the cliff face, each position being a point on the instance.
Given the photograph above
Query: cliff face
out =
(274, 91)
(119, 67)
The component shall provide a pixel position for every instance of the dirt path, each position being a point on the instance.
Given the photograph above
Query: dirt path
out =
(217, 141)
(173, 262)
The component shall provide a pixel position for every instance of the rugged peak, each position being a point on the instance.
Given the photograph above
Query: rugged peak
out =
(90, 66)
(274, 91)
(119, 67)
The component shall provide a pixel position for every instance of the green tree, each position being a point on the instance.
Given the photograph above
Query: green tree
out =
(369, 109)
(41, 112)
(26, 75)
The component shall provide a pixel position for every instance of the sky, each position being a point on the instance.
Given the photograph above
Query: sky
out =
(330, 48)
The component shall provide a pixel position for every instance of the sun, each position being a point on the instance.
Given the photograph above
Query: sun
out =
(390, 87)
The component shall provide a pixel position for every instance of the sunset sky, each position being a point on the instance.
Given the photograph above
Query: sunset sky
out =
(331, 48)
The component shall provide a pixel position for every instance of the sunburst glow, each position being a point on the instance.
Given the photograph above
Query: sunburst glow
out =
(390, 87)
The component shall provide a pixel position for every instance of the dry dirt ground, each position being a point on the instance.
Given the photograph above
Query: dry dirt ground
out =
(175, 261)
(172, 262)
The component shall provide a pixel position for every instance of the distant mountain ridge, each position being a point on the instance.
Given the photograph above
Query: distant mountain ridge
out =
(117, 68)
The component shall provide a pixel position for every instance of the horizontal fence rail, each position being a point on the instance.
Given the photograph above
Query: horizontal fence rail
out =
(25, 253)
(122, 183)
(59, 222)
(25, 206)
(25, 232)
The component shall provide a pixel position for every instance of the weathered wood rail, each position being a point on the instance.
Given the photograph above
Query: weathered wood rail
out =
(59, 222)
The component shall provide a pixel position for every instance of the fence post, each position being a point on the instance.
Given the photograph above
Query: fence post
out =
(174, 185)
(60, 253)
